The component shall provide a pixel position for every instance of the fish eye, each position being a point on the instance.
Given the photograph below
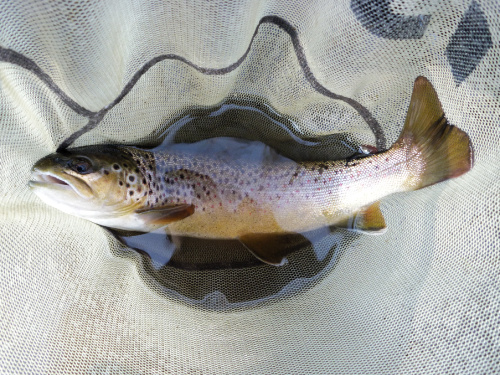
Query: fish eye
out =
(80, 166)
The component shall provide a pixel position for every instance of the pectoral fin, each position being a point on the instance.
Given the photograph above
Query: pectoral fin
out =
(369, 220)
(273, 248)
(166, 214)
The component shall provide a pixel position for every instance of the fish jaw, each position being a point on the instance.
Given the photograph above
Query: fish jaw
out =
(59, 181)
(60, 190)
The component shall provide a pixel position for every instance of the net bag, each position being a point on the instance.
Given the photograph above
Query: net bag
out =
(422, 298)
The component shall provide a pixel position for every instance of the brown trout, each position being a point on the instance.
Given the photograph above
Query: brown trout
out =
(189, 193)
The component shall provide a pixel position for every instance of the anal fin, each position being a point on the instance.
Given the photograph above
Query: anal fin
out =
(368, 220)
(272, 248)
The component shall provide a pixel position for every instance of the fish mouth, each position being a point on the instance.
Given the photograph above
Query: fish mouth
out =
(49, 179)
(52, 181)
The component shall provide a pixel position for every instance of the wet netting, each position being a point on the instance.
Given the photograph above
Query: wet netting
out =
(313, 80)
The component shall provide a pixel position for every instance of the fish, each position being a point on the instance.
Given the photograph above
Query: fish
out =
(269, 205)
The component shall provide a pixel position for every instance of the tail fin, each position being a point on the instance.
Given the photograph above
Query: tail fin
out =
(447, 150)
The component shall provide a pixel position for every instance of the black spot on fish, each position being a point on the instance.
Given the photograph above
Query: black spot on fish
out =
(116, 166)
(193, 186)
(120, 183)
(296, 174)
(125, 165)
(234, 192)
(127, 185)
(144, 181)
(150, 167)
(139, 189)
(149, 176)
(131, 178)
(136, 170)
(208, 193)
(181, 176)
(106, 172)
(156, 200)
(198, 196)
(150, 192)
(315, 180)
(204, 188)
(131, 192)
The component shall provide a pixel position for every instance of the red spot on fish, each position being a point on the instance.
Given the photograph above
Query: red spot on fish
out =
(308, 181)
(220, 204)
(319, 189)
(212, 206)
(386, 159)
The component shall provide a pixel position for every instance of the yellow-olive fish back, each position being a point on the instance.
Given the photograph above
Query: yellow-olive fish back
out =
(447, 150)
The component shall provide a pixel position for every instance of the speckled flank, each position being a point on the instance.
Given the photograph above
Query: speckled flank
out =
(236, 197)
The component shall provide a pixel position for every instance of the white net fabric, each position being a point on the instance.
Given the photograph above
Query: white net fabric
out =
(422, 298)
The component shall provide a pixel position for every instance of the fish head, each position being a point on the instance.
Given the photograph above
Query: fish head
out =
(92, 182)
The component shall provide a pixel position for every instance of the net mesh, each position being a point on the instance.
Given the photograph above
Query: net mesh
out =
(422, 298)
